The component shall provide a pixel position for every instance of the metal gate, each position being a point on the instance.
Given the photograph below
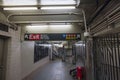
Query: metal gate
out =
(106, 51)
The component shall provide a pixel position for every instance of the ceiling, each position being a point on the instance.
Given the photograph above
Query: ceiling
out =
(40, 15)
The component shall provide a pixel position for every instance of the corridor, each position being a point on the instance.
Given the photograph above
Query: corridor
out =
(53, 70)
(44, 39)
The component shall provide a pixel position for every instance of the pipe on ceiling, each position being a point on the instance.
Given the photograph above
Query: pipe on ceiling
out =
(113, 11)
(40, 14)
(98, 11)
(102, 24)
(84, 18)
(71, 21)
(77, 3)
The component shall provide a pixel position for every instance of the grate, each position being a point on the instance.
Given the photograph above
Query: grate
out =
(106, 51)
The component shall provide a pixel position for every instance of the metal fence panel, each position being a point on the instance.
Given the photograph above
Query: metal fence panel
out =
(106, 51)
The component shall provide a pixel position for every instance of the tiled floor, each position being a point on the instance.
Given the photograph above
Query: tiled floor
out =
(54, 70)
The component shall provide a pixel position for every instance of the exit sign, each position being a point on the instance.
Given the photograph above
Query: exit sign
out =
(57, 36)
(32, 36)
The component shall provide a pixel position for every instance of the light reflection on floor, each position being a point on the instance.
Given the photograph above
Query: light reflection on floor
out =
(54, 70)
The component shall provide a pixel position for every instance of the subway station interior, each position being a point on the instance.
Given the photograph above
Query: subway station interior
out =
(59, 39)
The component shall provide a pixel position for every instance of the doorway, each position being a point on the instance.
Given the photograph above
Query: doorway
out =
(3, 57)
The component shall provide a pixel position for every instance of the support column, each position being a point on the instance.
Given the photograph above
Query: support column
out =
(89, 59)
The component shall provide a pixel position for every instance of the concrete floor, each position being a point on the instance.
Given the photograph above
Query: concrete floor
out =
(54, 70)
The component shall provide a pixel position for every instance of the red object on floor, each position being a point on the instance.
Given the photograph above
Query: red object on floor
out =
(79, 73)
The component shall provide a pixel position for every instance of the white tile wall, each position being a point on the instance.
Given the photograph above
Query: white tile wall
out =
(14, 56)
(28, 65)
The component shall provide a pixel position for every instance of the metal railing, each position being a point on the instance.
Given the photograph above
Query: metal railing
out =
(106, 51)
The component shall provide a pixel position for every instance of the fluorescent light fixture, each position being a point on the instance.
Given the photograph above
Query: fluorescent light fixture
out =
(80, 44)
(58, 2)
(60, 26)
(37, 27)
(19, 2)
(20, 8)
(59, 7)
(49, 28)
(46, 45)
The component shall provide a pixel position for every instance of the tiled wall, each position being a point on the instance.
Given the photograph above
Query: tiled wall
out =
(14, 56)
(15, 59)
(28, 65)
(13, 71)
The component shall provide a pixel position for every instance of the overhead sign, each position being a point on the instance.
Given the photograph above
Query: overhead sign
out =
(56, 36)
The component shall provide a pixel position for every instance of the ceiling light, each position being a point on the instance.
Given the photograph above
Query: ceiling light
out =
(49, 27)
(21, 8)
(38, 26)
(60, 26)
(58, 2)
(59, 7)
(19, 2)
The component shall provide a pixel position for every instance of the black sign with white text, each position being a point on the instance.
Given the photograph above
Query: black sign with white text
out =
(56, 36)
